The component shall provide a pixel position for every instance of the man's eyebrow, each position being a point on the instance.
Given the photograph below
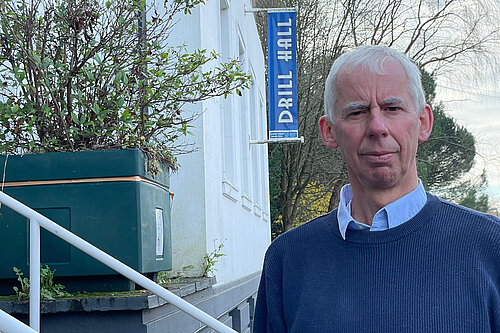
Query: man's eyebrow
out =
(352, 106)
(393, 101)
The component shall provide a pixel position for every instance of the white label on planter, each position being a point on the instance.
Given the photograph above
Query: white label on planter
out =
(159, 233)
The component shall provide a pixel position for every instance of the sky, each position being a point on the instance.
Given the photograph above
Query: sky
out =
(477, 107)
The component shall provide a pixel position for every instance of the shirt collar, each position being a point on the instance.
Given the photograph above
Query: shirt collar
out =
(390, 216)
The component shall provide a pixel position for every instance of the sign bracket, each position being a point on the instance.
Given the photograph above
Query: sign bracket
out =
(284, 140)
(270, 10)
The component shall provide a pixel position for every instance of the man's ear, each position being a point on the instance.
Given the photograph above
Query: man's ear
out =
(326, 130)
(426, 120)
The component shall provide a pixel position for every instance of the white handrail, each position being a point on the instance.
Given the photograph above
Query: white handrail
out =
(11, 324)
(109, 261)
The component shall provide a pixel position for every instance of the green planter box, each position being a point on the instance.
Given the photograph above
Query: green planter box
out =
(105, 197)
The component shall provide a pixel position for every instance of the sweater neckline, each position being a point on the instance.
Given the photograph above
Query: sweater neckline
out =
(425, 215)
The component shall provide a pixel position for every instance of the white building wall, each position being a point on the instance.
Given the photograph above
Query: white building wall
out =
(222, 190)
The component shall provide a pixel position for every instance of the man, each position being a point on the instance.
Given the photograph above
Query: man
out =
(391, 257)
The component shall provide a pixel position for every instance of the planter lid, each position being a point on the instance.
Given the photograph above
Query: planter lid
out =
(79, 165)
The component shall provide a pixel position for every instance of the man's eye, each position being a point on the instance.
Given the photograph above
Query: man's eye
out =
(392, 108)
(355, 114)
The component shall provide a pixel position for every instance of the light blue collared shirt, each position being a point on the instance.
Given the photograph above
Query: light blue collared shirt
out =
(390, 216)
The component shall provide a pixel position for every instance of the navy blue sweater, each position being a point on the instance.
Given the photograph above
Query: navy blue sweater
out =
(438, 272)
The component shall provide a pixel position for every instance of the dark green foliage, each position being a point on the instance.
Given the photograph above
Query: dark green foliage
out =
(448, 153)
(275, 176)
(469, 193)
(474, 199)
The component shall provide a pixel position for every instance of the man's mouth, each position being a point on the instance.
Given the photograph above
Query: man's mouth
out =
(378, 156)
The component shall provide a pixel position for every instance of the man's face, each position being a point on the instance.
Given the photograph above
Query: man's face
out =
(377, 128)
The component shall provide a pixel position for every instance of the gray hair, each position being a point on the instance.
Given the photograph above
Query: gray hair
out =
(371, 57)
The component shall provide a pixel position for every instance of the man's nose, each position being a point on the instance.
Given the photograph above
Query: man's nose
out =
(377, 126)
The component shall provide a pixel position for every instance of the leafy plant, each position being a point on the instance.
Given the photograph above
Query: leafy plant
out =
(48, 289)
(212, 258)
(25, 285)
(95, 74)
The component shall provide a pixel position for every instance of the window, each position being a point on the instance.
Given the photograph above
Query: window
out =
(243, 135)
(256, 149)
(227, 108)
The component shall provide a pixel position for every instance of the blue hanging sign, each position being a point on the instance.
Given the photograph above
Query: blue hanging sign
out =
(282, 71)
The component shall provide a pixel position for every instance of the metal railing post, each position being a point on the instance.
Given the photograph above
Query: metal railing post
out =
(34, 275)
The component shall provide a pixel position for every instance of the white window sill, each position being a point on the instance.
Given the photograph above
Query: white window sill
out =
(230, 191)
